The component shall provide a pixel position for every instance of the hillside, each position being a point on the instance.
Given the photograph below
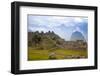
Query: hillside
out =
(48, 40)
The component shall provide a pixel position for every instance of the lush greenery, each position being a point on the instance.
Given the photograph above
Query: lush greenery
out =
(59, 54)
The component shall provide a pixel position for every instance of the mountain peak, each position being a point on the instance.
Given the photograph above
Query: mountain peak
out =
(77, 36)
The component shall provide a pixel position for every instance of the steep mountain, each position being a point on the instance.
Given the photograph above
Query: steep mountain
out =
(77, 36)
(41, 40)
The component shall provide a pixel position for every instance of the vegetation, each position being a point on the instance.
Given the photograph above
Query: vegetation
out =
(59, 54)
(46, 46)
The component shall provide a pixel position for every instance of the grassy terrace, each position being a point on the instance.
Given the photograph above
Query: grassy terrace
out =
(59, 54)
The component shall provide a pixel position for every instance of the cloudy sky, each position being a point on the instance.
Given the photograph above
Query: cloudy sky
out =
(61, 25)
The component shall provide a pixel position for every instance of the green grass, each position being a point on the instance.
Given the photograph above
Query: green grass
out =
(60, 54)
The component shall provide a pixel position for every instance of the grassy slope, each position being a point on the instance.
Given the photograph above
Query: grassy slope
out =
(60, 54)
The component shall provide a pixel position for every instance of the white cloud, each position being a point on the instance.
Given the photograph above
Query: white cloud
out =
(38, 29)
(80, 19)
(54, 21)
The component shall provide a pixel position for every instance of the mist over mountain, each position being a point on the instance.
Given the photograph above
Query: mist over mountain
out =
(77, 36)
